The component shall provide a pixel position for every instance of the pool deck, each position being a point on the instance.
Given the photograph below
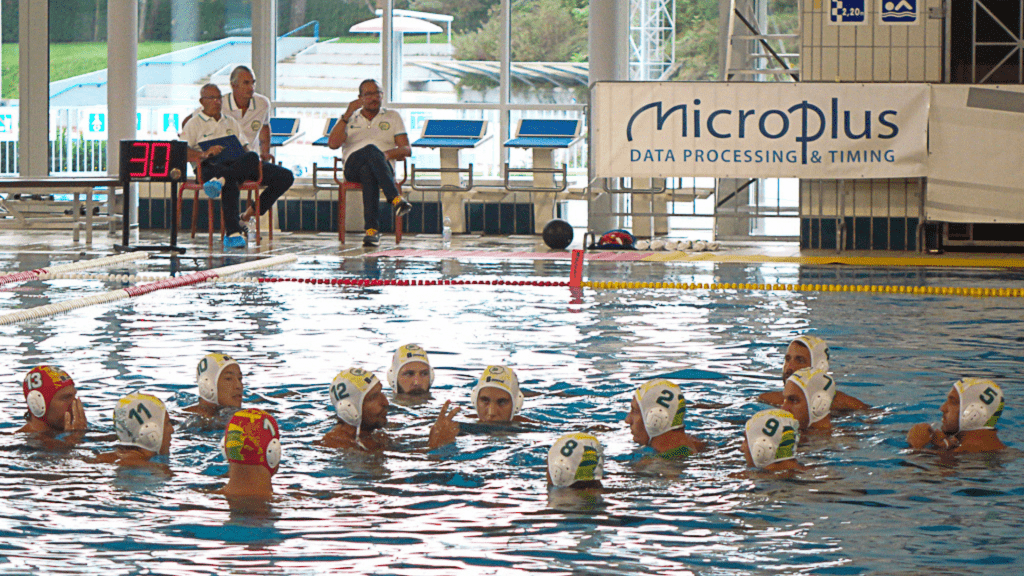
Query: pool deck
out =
(59, 242)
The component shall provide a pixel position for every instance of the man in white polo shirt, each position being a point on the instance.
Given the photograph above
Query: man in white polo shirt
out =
(210, 124)
(373, 140)
(252, 111)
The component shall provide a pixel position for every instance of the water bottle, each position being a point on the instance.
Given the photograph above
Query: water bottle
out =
(446, 234)
(252, 229)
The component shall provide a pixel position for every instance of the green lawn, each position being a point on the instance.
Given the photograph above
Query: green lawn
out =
(67, 60)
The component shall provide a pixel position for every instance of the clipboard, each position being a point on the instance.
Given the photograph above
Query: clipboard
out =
(232, 149)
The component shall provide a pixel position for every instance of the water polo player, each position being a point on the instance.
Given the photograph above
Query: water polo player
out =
(969, 416)
(770, 440)
(657, 419)
(252, 446)
(362, 408)
(53, 404)
(810, 352)
(219, 379)
(808, 397)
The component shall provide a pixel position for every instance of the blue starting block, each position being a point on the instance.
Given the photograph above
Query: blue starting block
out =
(450, 137)
(283, 131)
(542, 137)
(322, 141)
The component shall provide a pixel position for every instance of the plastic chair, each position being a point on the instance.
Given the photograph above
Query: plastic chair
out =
(344, 186)
(251, 188)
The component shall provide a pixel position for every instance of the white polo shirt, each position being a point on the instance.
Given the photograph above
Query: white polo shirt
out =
(380, 131)
(201, 128)
(256, 116)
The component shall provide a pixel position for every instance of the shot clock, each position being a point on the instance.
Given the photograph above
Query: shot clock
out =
(153, 160)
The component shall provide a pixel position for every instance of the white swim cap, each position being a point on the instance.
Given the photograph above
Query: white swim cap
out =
(981, 403)
(818, 349)
(819, 389)
(772, 436)
(575, 457)
(662, 407)
(404, 355)
(139, 421)
(502, 378)
(208, 374)
(348, 390)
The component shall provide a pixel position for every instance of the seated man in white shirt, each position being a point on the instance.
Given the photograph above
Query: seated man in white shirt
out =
(210, 124)
(252, 111)
(371, 141)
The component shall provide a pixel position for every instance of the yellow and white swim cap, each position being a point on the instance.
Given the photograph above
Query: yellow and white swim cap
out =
(662, 407)
(404, 355)
(139, 421)
(348, 390)
(502, 378)
(208, 374)
(981, 403)
(772, 436)
(818, 349)
(819, 389)
(575, 457)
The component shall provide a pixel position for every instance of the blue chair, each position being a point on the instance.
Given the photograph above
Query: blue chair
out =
(322, 141)
(543, 137)
(283, 131)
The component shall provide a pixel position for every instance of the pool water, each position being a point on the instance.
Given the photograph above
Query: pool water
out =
(868, 506)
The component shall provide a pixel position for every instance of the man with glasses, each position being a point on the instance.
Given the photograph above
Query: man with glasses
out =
(252, 112)
(371, 141)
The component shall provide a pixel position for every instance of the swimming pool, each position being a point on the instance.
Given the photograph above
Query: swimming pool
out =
(482, 507)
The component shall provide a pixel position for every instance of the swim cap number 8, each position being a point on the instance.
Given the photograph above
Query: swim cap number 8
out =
(568, 448)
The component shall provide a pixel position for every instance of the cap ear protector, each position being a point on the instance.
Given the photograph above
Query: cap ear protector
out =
(404, 355)
(139, 421)
(662, 407)
(348, 390)
(819, 389)
(40, 385)
(772, 436)
(575, 457)
(253, 438)
(502, 378)
(981, 403)
(818, 350)
(208, 375)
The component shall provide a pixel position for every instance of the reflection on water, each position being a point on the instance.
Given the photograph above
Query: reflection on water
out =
(482, 506)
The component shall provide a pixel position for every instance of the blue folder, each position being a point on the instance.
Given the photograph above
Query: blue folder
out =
(232, 149)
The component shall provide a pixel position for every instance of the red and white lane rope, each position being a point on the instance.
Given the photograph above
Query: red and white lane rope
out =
(138, 290)
(11, 277)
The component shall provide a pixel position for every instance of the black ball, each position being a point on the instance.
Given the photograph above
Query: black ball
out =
(557, 234)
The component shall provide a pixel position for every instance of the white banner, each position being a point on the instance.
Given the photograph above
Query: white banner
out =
(759, 130)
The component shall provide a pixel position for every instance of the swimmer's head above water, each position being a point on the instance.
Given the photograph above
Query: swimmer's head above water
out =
(972, 404)
(142, 421)
(657, 407)
(770, 439)
(576, 460)
(252, 438)
(805, 352)
(496, 395)
(808, 396)
(410, 371)
(219, 379)
(358, 399)
(50, 395)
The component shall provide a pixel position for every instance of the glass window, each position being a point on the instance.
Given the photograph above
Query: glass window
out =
(549, 52)
(9, 94)
(325, 49)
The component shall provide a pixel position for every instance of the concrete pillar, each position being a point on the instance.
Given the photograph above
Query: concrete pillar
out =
(609, 60)
(264, 47)
(34, 88)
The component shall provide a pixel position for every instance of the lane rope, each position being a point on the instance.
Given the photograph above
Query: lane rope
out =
(138, 290)
(10, 277)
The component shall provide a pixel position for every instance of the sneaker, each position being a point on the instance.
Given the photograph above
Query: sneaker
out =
(213, 186)
(402, 206)
(235, 240)
(372, 238)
